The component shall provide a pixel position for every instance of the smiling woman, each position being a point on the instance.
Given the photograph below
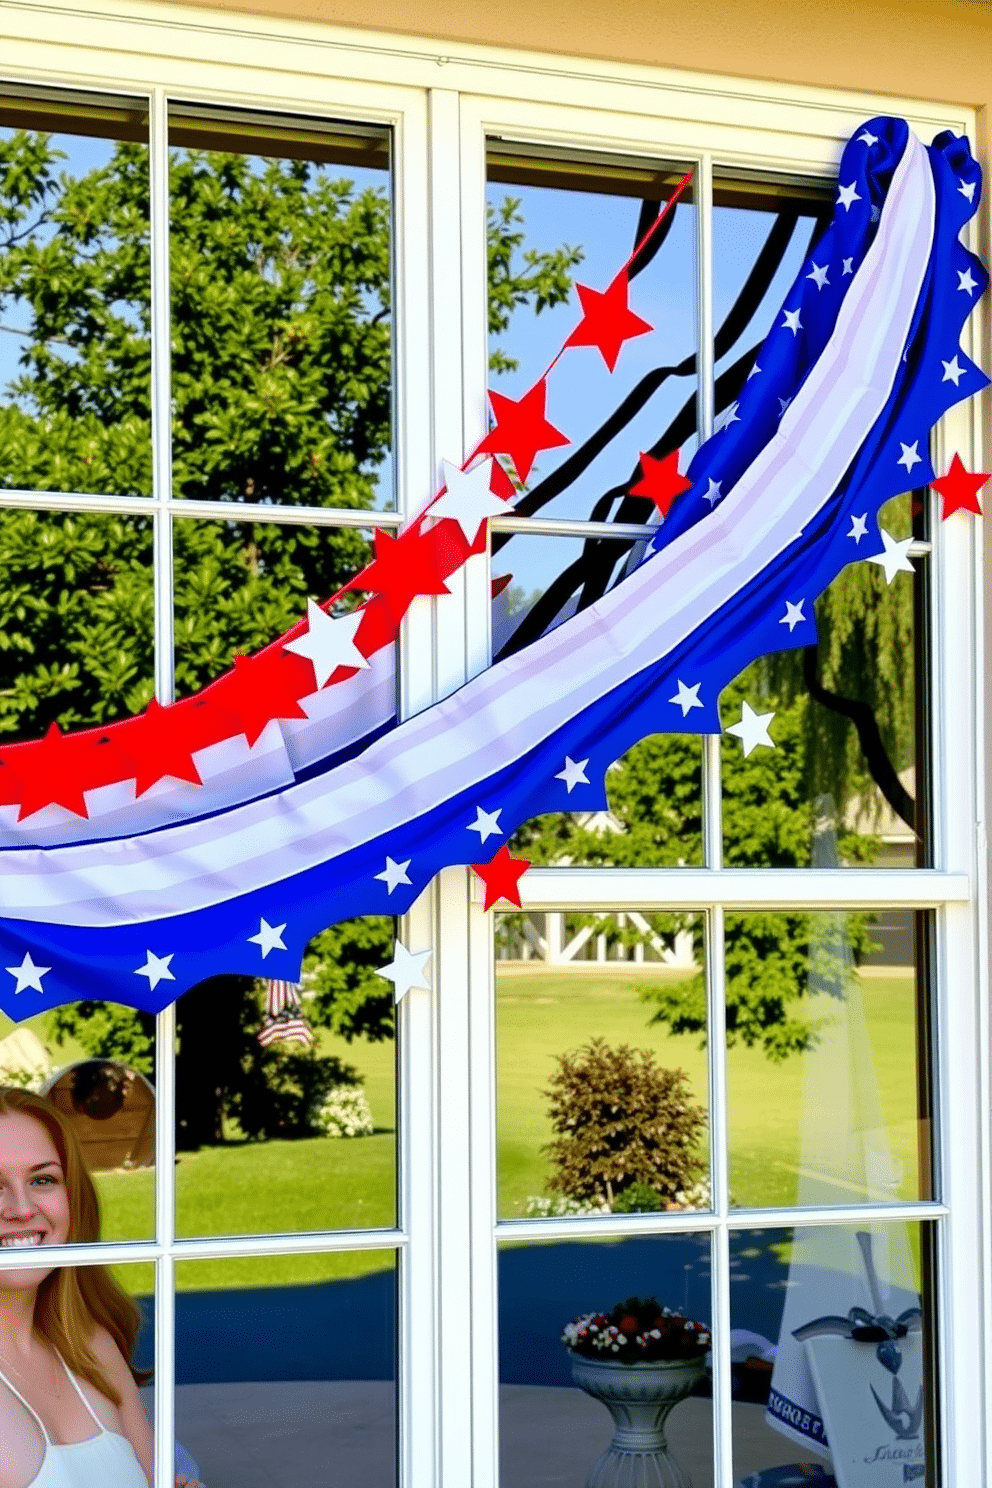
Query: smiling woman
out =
(62, 1327)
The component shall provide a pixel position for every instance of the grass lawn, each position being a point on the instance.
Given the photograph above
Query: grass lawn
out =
(244, 1188)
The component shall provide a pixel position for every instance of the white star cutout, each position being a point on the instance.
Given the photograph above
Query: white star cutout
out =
(732, 416)
(966, 282)
(328, 642)
(156, 969)
(847, 196)
(406, 970)
(867, 138)
(468, 499)
(713, 494)
(848, 266)
(792, 322)
(687, 698)
(859, 528)
(752, 729)
(574, 773)
(819, 276)
(269, 937)
(967, 190)
(793, 615)
(28, 975)
(394, 874)
(893, 557)
(753, 372)
(486, 823)
(953, 371)
(910, 455)
(783, 404)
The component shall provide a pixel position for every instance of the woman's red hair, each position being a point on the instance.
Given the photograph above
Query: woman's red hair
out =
(73, 1301)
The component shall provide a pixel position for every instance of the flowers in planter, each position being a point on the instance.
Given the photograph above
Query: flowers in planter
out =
(638, 1331)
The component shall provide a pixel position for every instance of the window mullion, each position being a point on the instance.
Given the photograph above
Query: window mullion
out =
(705, 392)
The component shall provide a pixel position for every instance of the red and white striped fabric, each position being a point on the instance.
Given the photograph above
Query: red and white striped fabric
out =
(284, 1020)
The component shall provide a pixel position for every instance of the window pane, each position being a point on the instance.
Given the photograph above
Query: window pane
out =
(286, 1369)
(554, 1426)
(75, 352)
(281, 322)
(845, 783)
(832, 1333)
(286, 1095)
(828, 1080)
(77, 613)
(599, 1109)
(94, 1062)
(558, 219)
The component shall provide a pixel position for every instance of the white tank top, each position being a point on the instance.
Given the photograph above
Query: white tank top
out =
(105, 1459)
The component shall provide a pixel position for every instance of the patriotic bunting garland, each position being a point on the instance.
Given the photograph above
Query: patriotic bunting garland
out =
(225, 830)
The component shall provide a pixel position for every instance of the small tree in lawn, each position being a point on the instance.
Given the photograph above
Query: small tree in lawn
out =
(621, 1120)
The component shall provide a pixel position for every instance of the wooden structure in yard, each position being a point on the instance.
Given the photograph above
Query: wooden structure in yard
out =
(112, 1109)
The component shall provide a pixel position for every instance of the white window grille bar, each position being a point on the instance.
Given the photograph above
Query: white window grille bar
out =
(705, 396)
(720, 1197)
(588, 889)
(165, 1024)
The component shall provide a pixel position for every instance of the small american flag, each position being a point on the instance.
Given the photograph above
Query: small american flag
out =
(284, 1020)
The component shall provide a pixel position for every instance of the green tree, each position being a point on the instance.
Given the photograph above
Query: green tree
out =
(281, 392)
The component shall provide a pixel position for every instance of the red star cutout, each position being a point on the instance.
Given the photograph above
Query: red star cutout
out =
(55, 770)
(960, 488)
(261, 688)
(402, 568)
(163, 740)
(607, 320)
(521, 430)
(502, 876)
(661, 481)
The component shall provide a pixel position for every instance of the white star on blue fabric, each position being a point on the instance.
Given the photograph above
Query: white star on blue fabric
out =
(713, 494)
(783, 404)
(732, 416)
(687, 698)
(394, 874)
(468, 499)
(847, 267)
(752, 729)
(966, 282)
(269, 937)
(486, 823)
(792, 322)
(847, 196)
(867, 138)
(967, 190)
(893, 557)
(910, 455)
(953, 371)
(793, 615)
(859, 528)
(329, 642)
(574, 773)
(406, 970)
(753, 372)
(819, 276)
(156, 969)
(28, 975)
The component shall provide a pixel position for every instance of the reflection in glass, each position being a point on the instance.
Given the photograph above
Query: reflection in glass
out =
(61, 1383)
(95, 1062)
(77, 614)
(286, 1369)
(828, 1092)
(280, 263)
(554, 1421)
(846, 782)
(240, 585)
(598, 1109)
(286, 1095)
(833, 1348)
(75, 355)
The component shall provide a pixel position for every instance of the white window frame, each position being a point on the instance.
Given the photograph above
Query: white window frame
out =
(441, 103)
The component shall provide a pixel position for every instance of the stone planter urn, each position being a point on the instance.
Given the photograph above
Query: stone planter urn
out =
(640, 1398)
